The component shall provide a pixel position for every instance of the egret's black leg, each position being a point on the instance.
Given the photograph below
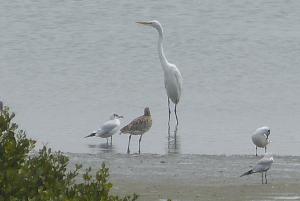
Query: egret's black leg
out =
(128, 151)
(256, 151)
(169, 111)
(111, 140)
(140, 144)
(266, 177)
(107, 141)
(262, 177)
(265, 149)
(176, 113)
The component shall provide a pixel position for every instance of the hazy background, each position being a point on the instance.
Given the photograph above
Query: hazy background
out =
(65, 66)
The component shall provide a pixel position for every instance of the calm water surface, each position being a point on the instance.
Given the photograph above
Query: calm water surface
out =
(67, 65)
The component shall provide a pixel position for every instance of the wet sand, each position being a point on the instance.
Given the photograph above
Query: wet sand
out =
(196, 177)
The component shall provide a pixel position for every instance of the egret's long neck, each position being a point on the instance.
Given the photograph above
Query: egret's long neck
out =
(162, 57)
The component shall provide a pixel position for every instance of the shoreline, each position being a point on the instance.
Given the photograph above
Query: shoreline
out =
(196, 177)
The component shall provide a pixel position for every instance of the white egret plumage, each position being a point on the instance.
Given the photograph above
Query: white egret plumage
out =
(261, 137)
(109, 128)
(262, 166)
(172, 75)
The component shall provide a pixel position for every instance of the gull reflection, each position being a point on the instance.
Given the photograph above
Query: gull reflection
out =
(102, 148)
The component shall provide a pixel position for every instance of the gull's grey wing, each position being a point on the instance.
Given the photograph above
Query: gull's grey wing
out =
(263, 165)
(108, 126)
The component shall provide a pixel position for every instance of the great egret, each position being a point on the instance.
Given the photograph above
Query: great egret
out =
(262, 166)
(109, 128)
(172, 75)
(138, 126)
(261, 138)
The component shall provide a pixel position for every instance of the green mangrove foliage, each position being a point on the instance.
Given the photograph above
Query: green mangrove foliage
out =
(43, 176)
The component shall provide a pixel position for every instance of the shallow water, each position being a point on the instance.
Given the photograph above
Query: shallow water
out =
(196, 177)
(192, 168)
(67, 65)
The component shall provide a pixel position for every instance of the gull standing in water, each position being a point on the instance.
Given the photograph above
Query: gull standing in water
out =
(262, 166)
(138, 126)
(261, 137)
(109, 128)
(172, 75)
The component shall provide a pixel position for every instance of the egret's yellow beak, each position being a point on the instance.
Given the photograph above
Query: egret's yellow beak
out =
(144, 23)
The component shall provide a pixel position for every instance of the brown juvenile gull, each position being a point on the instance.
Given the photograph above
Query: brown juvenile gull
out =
(138, 126)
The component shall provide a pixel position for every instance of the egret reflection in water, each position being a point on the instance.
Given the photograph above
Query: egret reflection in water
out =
(173, 140)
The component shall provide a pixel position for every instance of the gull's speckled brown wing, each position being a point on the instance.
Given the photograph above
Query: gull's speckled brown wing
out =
(138, 126)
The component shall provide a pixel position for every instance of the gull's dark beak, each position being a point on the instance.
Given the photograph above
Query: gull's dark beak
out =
(120, 117)
(90, 135)
(144, 23)
(266, 136)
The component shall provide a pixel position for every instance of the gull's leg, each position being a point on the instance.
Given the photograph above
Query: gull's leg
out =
(111, 140)
(140, 144)
(176, 113)
(169, 110)
(107, 141)
(265, 149)
(262, 177)
(128, 144)
(256, 151)
(266, 177)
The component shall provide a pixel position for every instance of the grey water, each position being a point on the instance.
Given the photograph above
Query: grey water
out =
(190, 167)
(65, 66)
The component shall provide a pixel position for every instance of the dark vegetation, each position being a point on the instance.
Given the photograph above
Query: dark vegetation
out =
(29, 176)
